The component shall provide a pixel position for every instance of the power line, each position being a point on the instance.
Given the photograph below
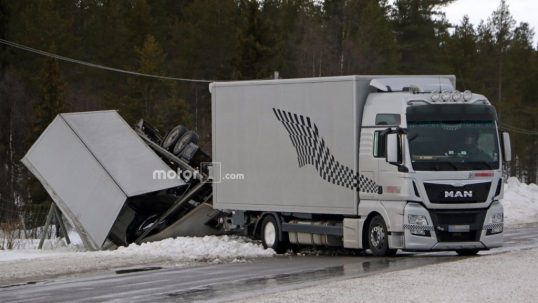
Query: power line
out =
(99, 66)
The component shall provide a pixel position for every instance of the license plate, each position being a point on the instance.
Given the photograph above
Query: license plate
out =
(459, 228)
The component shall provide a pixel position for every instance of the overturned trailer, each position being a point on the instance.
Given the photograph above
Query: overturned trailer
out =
(101, 174)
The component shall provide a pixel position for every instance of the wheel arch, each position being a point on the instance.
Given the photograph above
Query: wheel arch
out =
(364, 235)
(370, 209)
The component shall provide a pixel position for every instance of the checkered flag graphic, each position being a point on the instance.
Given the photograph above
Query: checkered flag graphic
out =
(311, 149)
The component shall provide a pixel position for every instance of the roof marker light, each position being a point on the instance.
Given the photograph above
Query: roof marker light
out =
(467, 95)
(456, 96)
(445, 96)
(436, 97)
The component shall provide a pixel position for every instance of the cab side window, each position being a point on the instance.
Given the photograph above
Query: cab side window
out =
(379, 147)
(387, 119)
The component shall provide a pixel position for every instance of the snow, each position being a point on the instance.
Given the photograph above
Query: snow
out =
(508, 277)
(520, 202)
(182, 251)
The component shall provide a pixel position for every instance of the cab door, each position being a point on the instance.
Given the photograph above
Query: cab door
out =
(368, 167)
(388, 175)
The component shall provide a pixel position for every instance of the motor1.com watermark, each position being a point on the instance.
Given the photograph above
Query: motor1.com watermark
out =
(207, 172)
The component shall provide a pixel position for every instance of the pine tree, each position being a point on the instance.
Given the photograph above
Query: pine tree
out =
(51, 99)
(204, 41)
(337, 30)
(281, 19)
(502, 24)
(487, 62)
(462, 47)
(310, 47)
(138, 21)
(370, 46)
(49, 102)
(6, 166)
(144, 92)
(255, 45)
(518, 108)
(420, 28)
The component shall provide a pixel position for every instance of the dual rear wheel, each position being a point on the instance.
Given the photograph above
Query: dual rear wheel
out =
(178, 138)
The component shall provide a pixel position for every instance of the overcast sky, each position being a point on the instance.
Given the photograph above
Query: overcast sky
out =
(521, 10)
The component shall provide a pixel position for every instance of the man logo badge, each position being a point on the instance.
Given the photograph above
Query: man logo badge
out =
(459, 194)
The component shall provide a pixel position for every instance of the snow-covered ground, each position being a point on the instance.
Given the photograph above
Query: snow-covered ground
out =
(509, 277)
(520, 202)
(60, 259)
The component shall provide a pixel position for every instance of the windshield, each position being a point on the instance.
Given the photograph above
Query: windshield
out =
(453, 145)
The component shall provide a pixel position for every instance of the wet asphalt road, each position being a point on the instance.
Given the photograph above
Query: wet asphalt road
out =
(226, 282)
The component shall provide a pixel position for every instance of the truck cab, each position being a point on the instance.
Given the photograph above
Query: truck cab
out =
(436, 155)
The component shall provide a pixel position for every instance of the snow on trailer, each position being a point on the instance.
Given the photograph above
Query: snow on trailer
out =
(100, 174)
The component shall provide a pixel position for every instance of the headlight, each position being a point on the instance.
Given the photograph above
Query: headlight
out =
(496, 222)
(497, 218)
(417, 220)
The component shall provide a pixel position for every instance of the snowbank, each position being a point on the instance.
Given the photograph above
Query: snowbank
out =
(188, 249)
(178, 252)
(509, 277)
(520, 202)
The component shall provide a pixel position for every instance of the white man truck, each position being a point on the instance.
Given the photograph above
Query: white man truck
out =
(364, 162)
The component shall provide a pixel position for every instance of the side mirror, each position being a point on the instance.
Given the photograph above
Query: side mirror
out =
(507, 148)
(393, 149)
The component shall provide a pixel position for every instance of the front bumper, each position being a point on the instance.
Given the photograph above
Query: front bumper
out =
(438, 237)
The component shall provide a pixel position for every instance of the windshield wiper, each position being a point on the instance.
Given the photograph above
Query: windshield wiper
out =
(412, 136)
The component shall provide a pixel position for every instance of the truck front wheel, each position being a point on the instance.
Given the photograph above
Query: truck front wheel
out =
(378, 239)
(270, 235)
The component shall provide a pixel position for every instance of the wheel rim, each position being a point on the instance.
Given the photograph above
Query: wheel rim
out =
(377, 236)
(269, 234)
(171, 138)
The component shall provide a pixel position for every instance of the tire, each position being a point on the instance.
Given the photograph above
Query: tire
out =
(467, 252)
(272, 237)
(188, 137)
(171, 138)
(378, 240)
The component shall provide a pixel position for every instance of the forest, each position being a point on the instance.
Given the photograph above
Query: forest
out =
(209, 40)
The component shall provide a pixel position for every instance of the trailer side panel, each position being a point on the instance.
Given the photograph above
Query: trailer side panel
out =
(286, 146)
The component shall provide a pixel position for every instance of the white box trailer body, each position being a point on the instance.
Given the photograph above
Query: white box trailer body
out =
(305, 153)
(90, 163)
(251, 136)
